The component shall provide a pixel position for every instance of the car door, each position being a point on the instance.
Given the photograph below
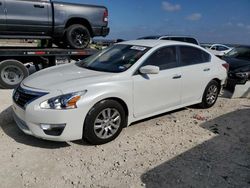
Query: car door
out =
(28, 16)
(197, 70)
(2, 16)
(157, 92)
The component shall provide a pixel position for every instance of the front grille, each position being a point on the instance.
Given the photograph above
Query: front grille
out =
(22, 97)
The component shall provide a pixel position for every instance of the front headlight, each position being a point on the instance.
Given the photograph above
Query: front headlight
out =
(242, 75)
(67, 101)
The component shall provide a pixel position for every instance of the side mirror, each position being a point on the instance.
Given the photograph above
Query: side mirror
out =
(149, 69)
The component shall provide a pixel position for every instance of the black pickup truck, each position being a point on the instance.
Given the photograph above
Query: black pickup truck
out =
(66, 24)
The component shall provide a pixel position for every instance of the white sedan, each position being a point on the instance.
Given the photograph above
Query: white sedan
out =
(219, 49)
(95, 98)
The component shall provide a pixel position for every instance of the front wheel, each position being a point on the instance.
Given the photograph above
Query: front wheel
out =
(78, 36)
(210, 94)
(104, 122)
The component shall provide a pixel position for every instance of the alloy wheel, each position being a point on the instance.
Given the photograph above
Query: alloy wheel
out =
(212, 94)
(107, 123)
(80, 37)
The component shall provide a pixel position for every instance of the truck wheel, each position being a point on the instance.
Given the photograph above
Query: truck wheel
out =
(78, 36)
(12, 72)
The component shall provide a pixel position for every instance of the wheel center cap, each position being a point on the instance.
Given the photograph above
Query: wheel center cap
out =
(11, 75)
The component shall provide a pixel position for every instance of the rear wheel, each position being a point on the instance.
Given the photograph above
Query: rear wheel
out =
(210, 94)
(104, 122)
(78, 36)
(12, 72)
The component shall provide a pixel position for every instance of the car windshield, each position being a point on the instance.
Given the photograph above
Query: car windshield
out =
(117, 58)
(240, 53)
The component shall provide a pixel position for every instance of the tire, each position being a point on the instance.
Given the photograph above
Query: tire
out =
(12, 72)
(97, 128)
(78, 36)
(210, 94)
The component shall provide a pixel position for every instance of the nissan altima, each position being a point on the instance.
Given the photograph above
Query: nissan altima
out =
(94, 99)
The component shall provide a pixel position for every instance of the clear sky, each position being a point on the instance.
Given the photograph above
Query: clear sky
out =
(222, 21)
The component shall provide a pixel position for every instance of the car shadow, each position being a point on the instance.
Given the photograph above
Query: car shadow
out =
(171, 114)
(223, 161)
(10, 128)
(85, 143)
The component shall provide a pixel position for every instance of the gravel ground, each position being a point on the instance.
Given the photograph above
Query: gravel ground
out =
(185, 148)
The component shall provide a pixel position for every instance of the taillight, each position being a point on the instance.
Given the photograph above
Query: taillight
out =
(226, 66)
(105, 15)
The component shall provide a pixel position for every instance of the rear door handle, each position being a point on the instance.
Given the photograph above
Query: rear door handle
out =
(39, 6)
(176, 76)
(207, 69)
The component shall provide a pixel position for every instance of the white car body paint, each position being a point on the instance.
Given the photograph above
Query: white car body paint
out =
(144, 95)
(219, 52)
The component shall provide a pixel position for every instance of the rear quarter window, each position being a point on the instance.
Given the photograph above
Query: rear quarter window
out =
(191, 55)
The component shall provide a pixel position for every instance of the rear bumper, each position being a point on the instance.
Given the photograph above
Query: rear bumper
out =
(101, 31)
(97, 31)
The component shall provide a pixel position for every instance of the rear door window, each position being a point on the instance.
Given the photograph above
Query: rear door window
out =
(191, 56)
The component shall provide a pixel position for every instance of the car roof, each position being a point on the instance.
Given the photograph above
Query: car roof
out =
(152, 43)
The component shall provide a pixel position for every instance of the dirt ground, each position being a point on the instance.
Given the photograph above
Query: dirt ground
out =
(185, 148)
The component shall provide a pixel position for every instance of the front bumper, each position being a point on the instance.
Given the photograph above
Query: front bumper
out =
(29, 120)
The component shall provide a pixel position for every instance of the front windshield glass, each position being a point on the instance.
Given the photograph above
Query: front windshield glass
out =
(117, 58)
(240, 53)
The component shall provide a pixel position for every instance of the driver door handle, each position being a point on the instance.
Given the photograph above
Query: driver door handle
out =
(178, 76)
(39, 6)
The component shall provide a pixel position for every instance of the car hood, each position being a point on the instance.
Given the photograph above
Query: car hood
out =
(63, 77)
(235, 63)
(241, 69)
